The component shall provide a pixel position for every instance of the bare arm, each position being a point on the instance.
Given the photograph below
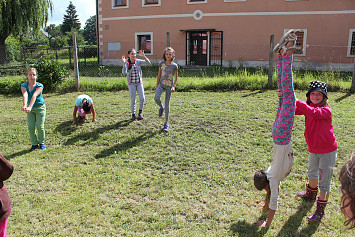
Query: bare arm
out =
(74, 113)
(175, 82)
(158, 78)
(267, 223)
(24, 98)
(33, 99)
(93, 113)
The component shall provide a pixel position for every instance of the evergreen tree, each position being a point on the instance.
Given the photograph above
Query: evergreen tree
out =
(70, 21)
(19, 17)
(90, 31)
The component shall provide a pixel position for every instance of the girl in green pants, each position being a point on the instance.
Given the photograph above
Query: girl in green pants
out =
(35, 107)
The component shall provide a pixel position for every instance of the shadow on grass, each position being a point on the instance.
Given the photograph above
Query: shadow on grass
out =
(290, 228)
(254, 93)
(343, 97)
(20, 153)
(94, 135)
(126, 145)
(67, 127)
(243, 228)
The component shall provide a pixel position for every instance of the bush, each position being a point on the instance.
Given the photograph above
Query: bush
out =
(50, 73)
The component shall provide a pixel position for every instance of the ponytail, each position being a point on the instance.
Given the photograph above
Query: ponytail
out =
(267, 200)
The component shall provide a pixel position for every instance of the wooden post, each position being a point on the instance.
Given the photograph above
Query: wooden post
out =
(352, 88)
(271, 61)
(76, 68)
(167, 39)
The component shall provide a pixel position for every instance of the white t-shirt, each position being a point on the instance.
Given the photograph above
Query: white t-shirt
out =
(279, 169)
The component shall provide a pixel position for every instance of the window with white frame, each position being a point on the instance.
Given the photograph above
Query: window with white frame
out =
(150, 3)
(120, 3)
(144, 41)
(301, 42)
(196, 1)
(351, 43)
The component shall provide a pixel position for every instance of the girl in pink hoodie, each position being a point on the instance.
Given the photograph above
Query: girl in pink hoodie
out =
(323, 148)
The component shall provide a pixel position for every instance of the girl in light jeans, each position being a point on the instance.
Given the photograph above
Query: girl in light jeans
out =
(132, 68)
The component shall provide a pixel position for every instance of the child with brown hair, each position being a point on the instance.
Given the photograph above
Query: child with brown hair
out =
(282, 159)
(347, 181)
(168, 70)
(322, 146)
(35, 107)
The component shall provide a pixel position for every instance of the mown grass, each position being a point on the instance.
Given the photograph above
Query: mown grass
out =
(115, 177)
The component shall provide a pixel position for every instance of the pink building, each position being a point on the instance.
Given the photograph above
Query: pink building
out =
(228, 32)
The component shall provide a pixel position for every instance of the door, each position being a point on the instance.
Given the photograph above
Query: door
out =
(198, 48)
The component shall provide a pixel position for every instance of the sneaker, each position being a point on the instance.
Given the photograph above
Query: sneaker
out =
(288, 36)
(33, 147)
(166, 127)
(161, 111)
(140, 116)
(42, 146)
(134, 118)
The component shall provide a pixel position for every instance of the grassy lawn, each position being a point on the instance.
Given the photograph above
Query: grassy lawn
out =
(115, 177)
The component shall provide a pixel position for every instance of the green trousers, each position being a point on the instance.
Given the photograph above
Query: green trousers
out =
(35, 119)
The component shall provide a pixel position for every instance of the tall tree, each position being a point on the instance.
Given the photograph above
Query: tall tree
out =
(18, 17)
(90, 30)
(71, 21)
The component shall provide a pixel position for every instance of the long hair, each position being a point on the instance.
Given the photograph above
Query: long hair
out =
(129, 60)
(167, 49)
(260, 183)
(347, 181)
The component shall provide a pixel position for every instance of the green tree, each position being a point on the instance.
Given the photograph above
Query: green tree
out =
(71, 21)
(18, 17)
(90, 30)
(56, 37)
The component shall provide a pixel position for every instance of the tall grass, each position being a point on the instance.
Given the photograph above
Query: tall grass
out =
(210, 79)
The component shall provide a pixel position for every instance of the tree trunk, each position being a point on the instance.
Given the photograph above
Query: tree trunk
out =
(3, 57)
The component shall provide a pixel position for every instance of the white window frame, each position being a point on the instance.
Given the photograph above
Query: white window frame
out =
(118, 7)
(136, 43)
(235, 0)
(151, 5)
(304, 46)
(200, 2)
(351, 31)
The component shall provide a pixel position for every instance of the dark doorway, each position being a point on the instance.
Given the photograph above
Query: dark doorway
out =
(198, 48)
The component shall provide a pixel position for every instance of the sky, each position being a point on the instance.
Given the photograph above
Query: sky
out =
(84, 9)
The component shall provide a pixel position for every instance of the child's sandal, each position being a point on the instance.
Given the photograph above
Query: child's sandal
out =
(288, 36)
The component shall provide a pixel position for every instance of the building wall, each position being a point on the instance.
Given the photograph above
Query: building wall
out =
(246, 26)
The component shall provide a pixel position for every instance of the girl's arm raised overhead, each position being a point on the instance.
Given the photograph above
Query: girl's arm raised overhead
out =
(124, 68)
(24, 98)
(33, 99)
(146, 60)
